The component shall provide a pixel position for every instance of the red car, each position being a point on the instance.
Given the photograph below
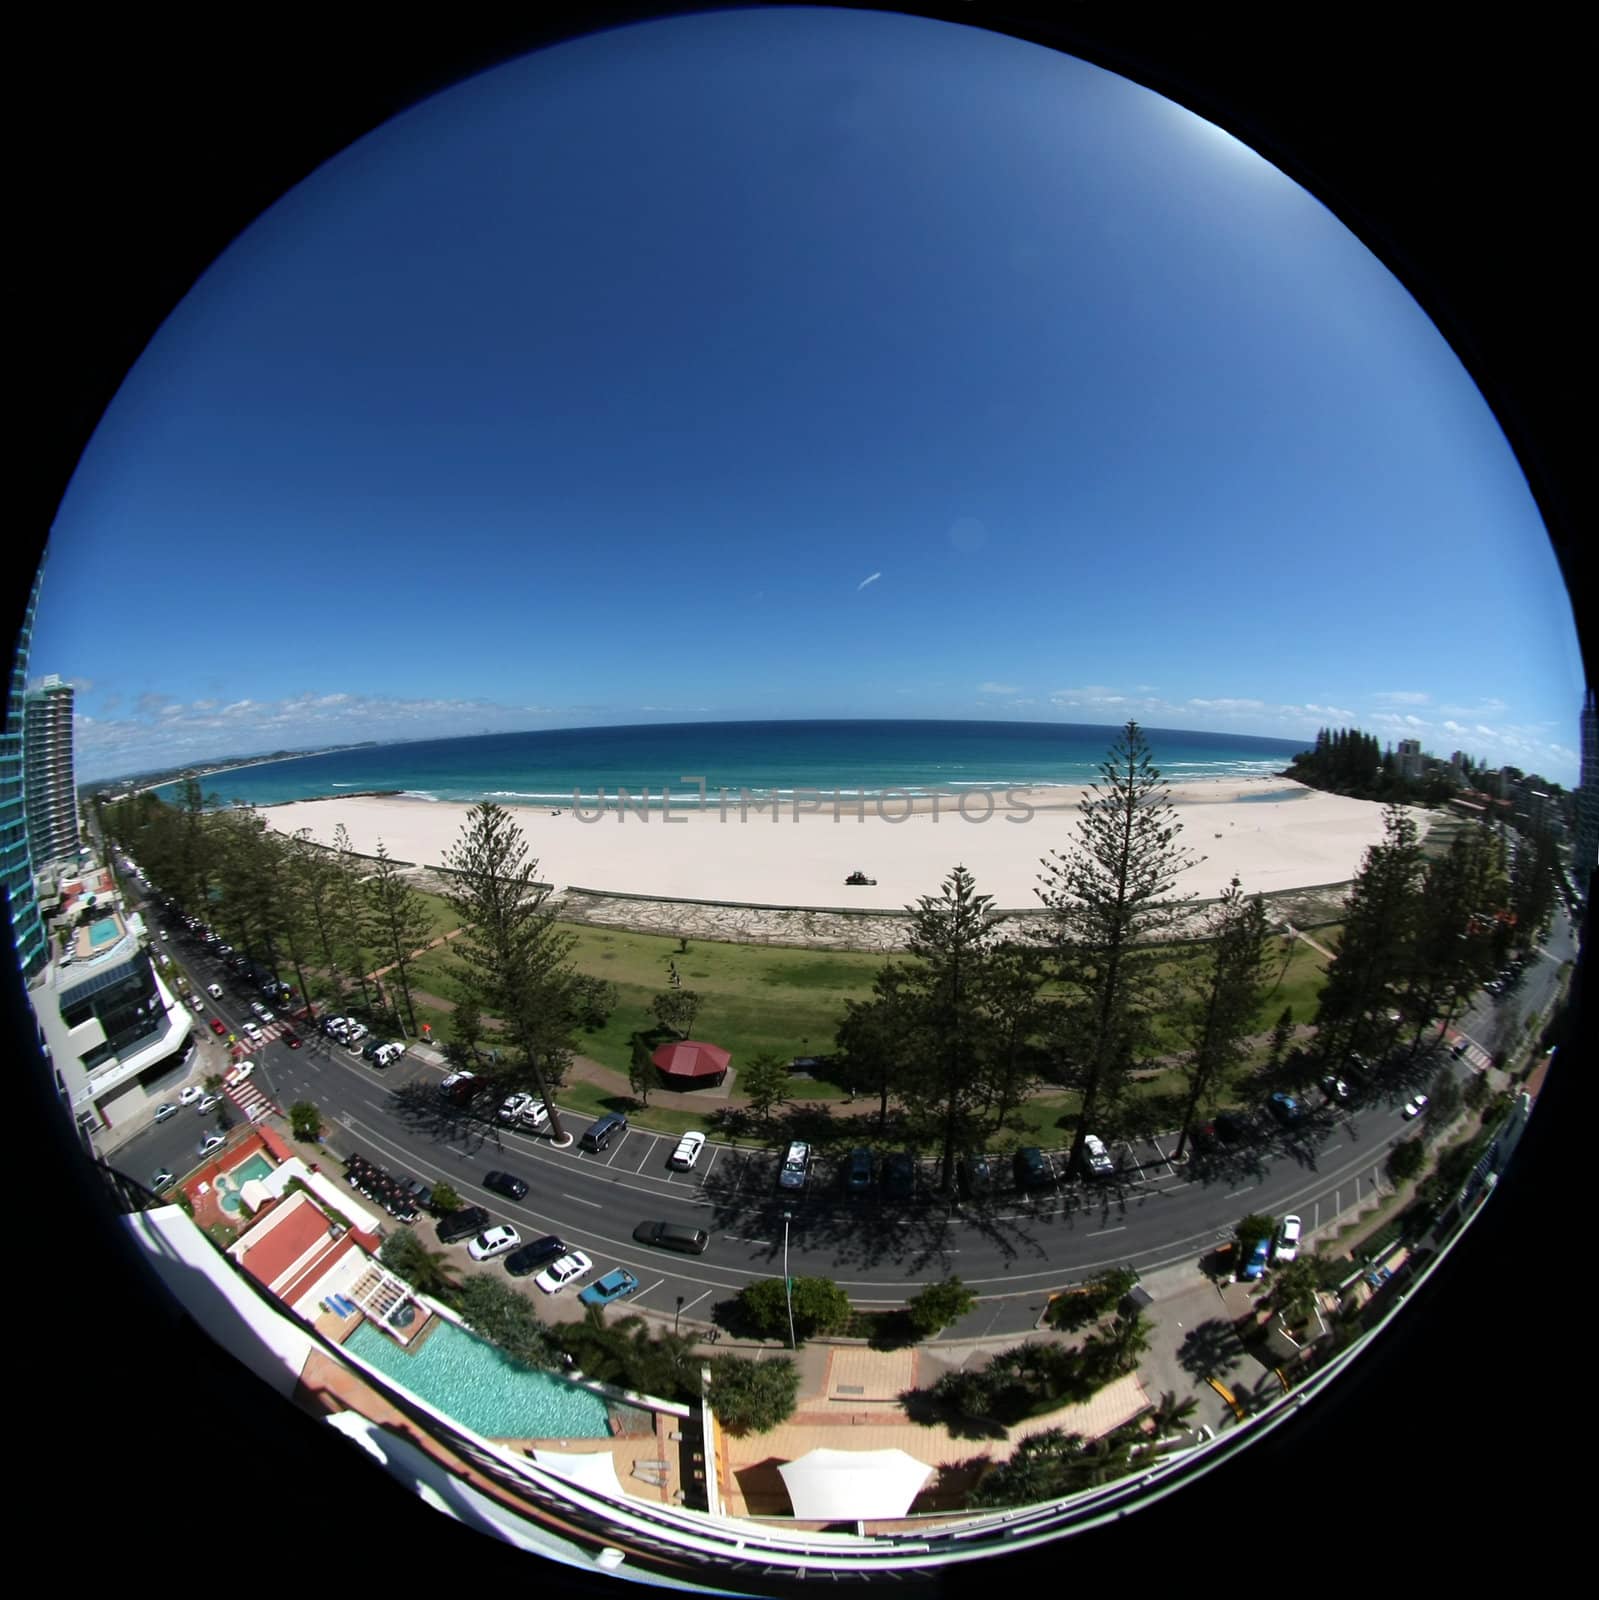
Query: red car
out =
(290, 1038)
(217, 1026)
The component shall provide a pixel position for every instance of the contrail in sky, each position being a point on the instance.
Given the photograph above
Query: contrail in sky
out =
(864, 581)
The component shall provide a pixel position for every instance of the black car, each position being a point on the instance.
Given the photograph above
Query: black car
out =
(858, 1172)
(463, 1224)
(506, 1183)
(1230, 1127)
(974, 1174)
(899, 1174)
(534, 1255)
(1032, 1170)
(672, 1236)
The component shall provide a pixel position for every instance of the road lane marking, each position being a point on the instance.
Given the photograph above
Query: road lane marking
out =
(581, 1201)
(1121, 1228)
(1236, 1192)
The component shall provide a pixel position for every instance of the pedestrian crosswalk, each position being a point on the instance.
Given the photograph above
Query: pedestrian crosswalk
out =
(244, 1045)
(1473, 1054)
(253, 1102)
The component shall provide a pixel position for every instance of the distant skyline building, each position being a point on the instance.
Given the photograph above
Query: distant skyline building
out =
(16, 859)
(50, 785)
(1587, 849)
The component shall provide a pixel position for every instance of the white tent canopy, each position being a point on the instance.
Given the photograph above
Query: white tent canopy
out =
(593, 1469)
(853, 1485)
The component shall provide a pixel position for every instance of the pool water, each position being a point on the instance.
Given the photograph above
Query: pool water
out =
(228, 1184)
(470, 1380)
(102, 933)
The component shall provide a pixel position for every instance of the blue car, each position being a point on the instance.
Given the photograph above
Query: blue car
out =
(1285, 1108)
(1256, 1265)
(615, 1285)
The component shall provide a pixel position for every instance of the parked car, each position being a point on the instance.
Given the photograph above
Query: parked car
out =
(1415, 1106)
(687, 1151)
(506, 1183)
(212, 1141)
(617, 1284)
(796, 1166)
(1287, 1240)
(1032, 1170)
(672, 1236)
(974, 1174)
(858, 1171)
(217, 1026)
(1255, 1267)
(388, 1055)
(493, 1242)
(162, 1180)
(214, 990)
(260, 1011)
(1285, 1108)
(371, 1048)
(207, 1103)
(535, 1256)
(599, 1134)
(1096, 1157)
(166, 1112)
(1335, 1089)
(565, 1270)
(899, 1174)
(462, 1224)
(189, 1093)
(355, 1033)
(535, 1115)
(456, 1087)
(511, 1107)
(1231, 1128)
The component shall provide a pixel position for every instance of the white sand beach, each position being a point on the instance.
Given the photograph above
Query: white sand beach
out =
(784, 860)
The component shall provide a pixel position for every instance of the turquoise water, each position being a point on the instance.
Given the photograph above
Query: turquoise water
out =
(103, 932)
(470, 1380)
(228, 1184)
(550, 768)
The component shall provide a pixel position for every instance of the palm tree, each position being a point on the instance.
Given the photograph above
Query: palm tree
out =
(1168, 1414)
(1293, 1292)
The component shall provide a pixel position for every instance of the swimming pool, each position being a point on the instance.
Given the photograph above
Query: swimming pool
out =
(102, 933)
(470, 1380)
(228, 1184)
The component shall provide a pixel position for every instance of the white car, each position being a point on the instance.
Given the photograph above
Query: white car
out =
(687, 1152)
(212, 1141)
(214, 990)
(249, 1030)
(568, 1269)
(1097, 1156)
(163, 1113)
(1415, 1106)
(494, 1242)
(189, 1093)
(355, 1033)
(240, 1072)
(1287, 1240)
(389, 1054)
(208, 1103)
(535, 1114)
(512, 1106)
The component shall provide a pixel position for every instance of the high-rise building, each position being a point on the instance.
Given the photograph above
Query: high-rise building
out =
(1587, 850)
(16, 860)
(52, 793)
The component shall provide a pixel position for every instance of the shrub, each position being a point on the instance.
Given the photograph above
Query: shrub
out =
(753, 1396)
(820, 1306)
(938, 1305)
(1405, 1160)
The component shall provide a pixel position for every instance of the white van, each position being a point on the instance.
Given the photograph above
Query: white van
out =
(214, 990)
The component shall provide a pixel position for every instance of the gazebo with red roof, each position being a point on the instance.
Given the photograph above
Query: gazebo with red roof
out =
(694, 1061)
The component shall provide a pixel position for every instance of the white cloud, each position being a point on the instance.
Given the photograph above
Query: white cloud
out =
(997, 688)
(864, 581)
(1229, 705)
(1401, 697)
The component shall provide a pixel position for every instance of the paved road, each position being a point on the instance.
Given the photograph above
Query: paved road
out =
(1011, 1249)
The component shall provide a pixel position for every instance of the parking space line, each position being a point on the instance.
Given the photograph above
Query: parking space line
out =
(618, 1150)
(689, 1305)
(716, 1150)
(656, 1285)
(647, 1154)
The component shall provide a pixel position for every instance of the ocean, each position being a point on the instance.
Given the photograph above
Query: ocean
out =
(590, 765)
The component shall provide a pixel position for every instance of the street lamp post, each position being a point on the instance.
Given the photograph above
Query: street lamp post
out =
(677, 1316)
(788, 1282)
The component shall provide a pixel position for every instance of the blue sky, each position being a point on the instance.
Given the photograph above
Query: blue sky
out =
(595, 390)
